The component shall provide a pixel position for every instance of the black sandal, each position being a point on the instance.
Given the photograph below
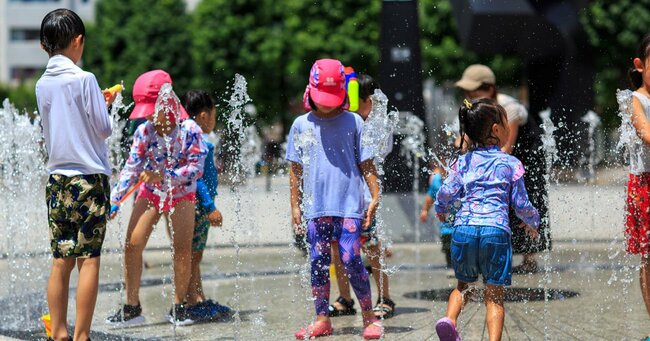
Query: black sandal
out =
(348, 310)
(384, 310)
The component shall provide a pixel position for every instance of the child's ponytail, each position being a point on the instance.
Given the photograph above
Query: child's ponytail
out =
(643, 51)
(476, 119)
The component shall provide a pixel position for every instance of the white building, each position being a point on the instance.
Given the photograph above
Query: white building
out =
(21, 56)
(20, 22)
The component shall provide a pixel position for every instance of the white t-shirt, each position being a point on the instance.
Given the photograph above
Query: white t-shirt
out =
(75, 120)
(514, 109)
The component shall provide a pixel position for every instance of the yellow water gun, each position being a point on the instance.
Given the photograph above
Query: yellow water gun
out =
(115, 89)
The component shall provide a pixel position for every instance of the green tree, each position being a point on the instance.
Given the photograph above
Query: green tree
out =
(445, 59)
(615, 29)
(245, 37)
(346, 30)
(22, 96)
(130, 37)
(274, 45)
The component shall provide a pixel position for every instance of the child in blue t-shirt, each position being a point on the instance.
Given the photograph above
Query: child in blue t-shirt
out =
(446, 226)
(328, 169)
(486, 181)
(201, 108)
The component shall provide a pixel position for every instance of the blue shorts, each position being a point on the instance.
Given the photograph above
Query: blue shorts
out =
(481, 250)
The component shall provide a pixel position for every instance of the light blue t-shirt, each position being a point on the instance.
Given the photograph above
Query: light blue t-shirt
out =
(329, 149)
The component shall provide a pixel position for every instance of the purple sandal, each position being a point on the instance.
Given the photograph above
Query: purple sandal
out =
(446, 330)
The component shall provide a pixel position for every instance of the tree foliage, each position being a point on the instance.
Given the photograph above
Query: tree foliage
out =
(615, 29)
(130, 37)
(444, 58)
(274, 45)
(240, 36)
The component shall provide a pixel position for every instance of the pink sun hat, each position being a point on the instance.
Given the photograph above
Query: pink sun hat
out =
(145, 93)
(327, 83)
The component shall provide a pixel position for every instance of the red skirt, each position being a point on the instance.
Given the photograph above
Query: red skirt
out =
(637, 220)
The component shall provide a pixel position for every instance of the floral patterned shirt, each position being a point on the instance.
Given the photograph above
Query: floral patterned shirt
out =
(487, 181)
(181, 160)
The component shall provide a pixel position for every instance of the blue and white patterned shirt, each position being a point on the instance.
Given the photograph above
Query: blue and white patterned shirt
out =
(487, 181)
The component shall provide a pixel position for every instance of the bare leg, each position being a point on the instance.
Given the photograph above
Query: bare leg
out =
(374, 252)
(141, 224)
(529, 259)
(495, 311)
(182, 223)
(57, 296)
(457, 301)
(341, 276)
(645, 281)
(86, 295)
(195, 289)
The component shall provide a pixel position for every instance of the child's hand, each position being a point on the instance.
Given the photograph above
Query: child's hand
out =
(296, 221)
(370, 214)
(150, 177)
(109, 96)
(530, 231)
(424, 215)
(113, 212)
(442, 216)
(215, 218)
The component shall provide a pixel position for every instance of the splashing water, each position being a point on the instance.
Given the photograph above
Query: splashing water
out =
(22, 184)
(593, 120)
(377, 136)
(378, 129)
(305, 143)
(413, 143)
(246, 152)
(115, 154)
(549, 146)
(628, 137)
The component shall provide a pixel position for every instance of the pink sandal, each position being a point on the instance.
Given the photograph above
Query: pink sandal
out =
(373, 331)
(316, 329)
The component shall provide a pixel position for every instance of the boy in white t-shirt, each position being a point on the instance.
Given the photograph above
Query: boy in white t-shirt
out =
(76, 125)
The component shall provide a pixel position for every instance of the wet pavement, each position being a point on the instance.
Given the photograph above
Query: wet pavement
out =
(588, 287)
(272, 304)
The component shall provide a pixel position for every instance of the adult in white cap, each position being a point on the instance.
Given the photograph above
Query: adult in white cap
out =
(478, 81)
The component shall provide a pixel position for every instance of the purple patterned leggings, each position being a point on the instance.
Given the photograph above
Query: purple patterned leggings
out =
(321, 232)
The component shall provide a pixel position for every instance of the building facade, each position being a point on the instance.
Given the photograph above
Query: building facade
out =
(21, 57)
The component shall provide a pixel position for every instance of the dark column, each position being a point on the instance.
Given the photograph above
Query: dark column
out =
(548, 35)
(400, 77)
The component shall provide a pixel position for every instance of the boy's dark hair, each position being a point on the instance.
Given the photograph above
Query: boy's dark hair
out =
(367, 86)
(476, 119)
(197, 101)
(58, 28)
(642, 53)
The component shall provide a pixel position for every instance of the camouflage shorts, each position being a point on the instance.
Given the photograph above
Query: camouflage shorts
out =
(77, 210)
(201, 228)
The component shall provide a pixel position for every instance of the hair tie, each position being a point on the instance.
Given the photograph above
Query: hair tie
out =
(468, 105)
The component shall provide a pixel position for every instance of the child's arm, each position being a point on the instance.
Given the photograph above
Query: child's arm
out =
(369, 173)
(640, 121)
(436, 183)
(450, 192)
(132, 168)
(196, 150)
(524, 209)
(203, 196)
(96, 108)
(295, 179)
